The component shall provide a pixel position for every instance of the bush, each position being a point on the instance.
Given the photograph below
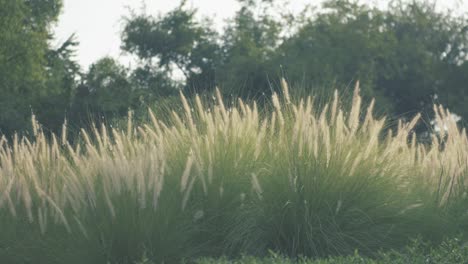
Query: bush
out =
(216, 181)
(450, 251)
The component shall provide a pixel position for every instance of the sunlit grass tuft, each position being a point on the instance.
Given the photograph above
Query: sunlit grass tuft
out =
(218, 180)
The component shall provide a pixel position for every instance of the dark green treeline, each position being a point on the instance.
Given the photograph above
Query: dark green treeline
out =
(408, 56)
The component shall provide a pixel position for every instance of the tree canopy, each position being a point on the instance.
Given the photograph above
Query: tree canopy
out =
(408, 56)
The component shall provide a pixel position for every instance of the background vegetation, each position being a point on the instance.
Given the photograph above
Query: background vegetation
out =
(408, 56)
(255, 167)
(213, 181)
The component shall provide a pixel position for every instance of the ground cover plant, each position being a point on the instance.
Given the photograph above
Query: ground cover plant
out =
(450, 251)
(216, 181)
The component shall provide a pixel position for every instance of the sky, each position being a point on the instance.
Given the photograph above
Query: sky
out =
(97, 23)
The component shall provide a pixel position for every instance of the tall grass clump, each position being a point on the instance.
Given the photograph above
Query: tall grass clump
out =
(217, 180)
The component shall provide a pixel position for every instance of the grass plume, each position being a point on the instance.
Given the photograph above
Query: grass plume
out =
(224, 181)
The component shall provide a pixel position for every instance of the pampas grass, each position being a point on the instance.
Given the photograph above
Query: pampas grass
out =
(218, 181)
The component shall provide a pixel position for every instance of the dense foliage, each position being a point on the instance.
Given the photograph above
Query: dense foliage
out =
(450, 251)
(408, 56)
(213, 175)
(25, 61)
(214, 181)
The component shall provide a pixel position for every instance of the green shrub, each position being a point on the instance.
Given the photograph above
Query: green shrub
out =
(217, 180)
(450, 251)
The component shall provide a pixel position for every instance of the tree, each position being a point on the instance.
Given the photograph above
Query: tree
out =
(338, 45)
(62, 76)
(26, 67)
(403, 56)
(176, 40)
(249, 44)
(429, 53)
(105, 93)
